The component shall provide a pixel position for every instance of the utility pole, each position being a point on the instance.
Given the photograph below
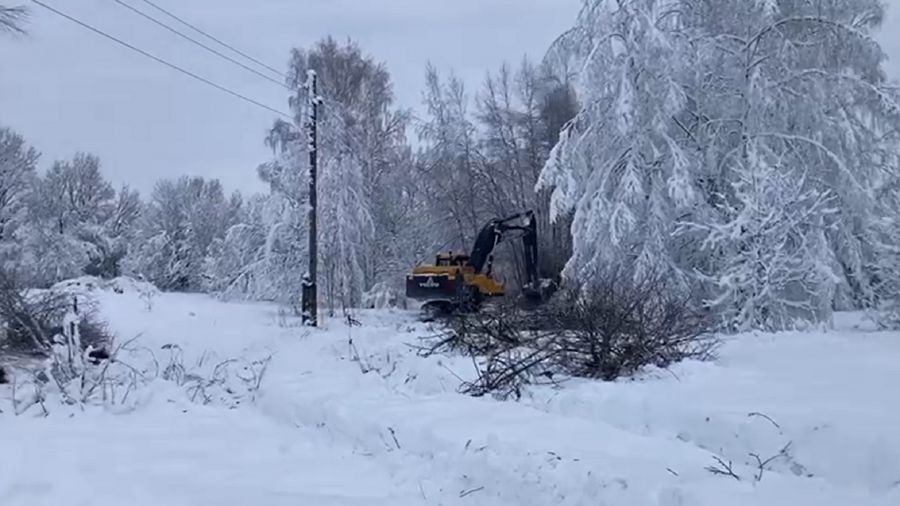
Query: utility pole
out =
(310, 304)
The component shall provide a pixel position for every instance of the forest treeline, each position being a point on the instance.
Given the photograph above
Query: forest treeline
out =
(745, 150)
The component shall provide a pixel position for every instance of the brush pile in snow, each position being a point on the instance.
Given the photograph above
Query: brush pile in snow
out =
(610, 331)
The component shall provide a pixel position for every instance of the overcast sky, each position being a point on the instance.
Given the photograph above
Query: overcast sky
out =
(66, 89)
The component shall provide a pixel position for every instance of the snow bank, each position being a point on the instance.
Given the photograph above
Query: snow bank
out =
(352, 415)
(119, 285)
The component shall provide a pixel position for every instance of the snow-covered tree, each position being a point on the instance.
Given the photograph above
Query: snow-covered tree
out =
(685, 101)
(808, 83)
(450, 166)
(778, 269)
(347, 229)
(362, 150)
(74, 193)
(621, 164)
(520, 114)
(258, 257)
(65, 236)
(17, 178)
(180, 225)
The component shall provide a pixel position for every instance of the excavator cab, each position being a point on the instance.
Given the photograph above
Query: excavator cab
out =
(459, 281)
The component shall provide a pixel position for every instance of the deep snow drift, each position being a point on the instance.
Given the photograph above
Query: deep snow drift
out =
(369, 423)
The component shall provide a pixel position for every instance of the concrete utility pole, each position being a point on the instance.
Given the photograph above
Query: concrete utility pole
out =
(310, 304)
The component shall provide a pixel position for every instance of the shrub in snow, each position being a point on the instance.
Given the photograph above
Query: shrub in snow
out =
(34, 320)
(30, 319)
(612, 329)
(93, 377)
(209, 381)
(118, 378)
(620, 325)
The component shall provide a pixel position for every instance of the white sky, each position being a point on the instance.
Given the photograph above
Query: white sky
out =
(67, 89)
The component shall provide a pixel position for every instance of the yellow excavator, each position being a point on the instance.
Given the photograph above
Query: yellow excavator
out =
(460, 282)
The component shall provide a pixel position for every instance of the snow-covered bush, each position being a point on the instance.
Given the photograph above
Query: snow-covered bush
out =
(33, 320)
(30, 320)
(226, 382)
(610, 329)
(121, 376)
(114, 379)
(619, 325)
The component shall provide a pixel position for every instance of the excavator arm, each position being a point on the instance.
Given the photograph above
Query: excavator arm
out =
(496, 231)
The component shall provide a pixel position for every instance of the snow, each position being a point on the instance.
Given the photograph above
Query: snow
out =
(349, 415)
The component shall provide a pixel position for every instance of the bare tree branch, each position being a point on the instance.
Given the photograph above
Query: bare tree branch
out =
(762, 415)
(723, 469)
(762, 464)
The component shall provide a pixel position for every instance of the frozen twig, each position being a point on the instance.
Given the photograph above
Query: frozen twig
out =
(465, 493)
(723, 469)
(762, 415)
(394, 436)
(761, 464)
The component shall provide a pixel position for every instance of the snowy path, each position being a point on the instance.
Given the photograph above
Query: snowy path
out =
(324, 432)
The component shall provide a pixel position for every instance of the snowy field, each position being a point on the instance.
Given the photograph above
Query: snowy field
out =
(372, 423)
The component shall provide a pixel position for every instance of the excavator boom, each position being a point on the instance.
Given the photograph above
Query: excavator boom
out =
(496, 231)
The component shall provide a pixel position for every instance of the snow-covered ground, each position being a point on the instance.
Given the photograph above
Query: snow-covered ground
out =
(373, 423)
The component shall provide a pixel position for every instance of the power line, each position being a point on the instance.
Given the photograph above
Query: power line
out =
(198, 43)
(160, 60)
(214, 39)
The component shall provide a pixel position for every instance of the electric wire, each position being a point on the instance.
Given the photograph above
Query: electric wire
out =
(160, 60)
(324, 100)
(214, 39)
(200, 44)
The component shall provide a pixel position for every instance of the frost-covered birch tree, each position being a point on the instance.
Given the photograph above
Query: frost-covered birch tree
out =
(450, 165)
(730, 92)
(17, 178)
(808, 88)
(261, 256)
(362, 156)
(621, 164)
(777, 269)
